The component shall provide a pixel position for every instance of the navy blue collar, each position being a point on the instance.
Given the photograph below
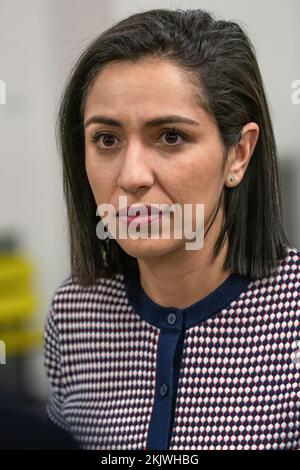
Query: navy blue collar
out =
(205, 308)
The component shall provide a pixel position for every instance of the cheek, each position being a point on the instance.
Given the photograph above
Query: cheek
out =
(97, 178)
(195, 173)
(100, 177)
(91, 171)
(197, 180)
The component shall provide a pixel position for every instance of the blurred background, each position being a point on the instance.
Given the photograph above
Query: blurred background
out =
(39, 42)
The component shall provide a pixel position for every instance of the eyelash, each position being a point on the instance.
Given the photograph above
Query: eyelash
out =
(95, 136)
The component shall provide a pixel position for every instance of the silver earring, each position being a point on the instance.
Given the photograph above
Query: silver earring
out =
(231, 178)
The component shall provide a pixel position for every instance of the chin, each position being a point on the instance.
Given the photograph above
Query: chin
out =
(148, 248)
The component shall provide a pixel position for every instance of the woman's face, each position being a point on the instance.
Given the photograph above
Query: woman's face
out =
(151, 164)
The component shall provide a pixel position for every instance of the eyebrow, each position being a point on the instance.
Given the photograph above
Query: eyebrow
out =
(173, 118)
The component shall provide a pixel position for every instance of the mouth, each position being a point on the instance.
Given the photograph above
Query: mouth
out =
(142, 211)
(141, 221)
(143, 215)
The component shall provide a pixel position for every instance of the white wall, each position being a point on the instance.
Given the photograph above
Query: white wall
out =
(30, 199)
(30, 184)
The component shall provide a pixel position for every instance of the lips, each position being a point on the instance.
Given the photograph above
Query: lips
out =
(134, 209)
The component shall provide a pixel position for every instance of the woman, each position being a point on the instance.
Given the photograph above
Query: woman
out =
(150, 345)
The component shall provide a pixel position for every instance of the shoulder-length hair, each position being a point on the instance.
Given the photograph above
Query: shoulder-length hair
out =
(221, 60)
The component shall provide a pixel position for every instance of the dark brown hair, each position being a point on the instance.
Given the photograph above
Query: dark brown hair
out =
(220, 58)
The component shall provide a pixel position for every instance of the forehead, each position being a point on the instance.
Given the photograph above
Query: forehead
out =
(124, 86)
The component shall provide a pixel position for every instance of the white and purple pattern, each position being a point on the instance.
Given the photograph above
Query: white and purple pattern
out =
(238, 383)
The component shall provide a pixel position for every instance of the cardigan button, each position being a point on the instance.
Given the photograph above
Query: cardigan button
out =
(171, 318)
(164, 390)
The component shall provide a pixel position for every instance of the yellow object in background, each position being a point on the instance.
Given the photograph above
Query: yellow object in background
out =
(18, 304)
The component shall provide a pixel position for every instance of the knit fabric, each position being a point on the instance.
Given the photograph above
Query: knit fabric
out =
(127, 373)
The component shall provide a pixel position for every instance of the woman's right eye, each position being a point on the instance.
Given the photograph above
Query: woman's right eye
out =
(107, 139)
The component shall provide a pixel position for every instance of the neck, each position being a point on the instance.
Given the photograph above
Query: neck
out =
(183, 277)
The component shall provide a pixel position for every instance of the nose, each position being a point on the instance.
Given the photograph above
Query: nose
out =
(136, 171)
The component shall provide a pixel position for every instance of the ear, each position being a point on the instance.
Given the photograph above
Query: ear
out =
(240, 155)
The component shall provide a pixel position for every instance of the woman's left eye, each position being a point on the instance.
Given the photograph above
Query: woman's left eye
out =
(174, 132)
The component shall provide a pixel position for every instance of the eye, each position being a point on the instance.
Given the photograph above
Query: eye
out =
(107, 138)
(173, 132)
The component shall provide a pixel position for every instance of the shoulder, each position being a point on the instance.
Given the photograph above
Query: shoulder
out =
(291, 263)
(278, 293)
(72, 296)
(287, 273)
